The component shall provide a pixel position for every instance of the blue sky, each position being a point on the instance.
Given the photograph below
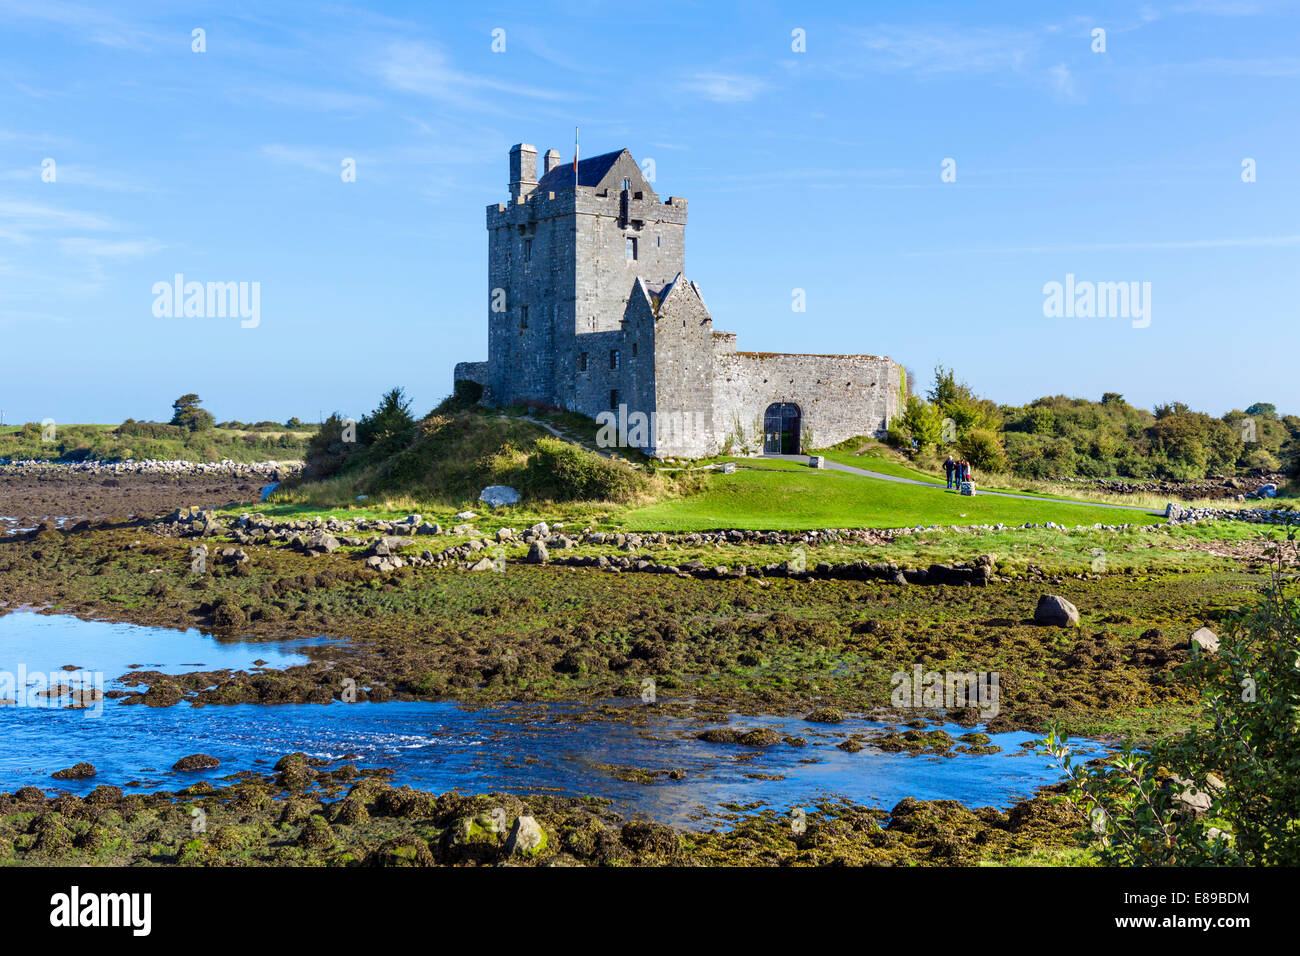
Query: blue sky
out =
(817, 170)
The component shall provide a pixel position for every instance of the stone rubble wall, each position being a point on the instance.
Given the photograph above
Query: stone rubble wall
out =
(839, 396)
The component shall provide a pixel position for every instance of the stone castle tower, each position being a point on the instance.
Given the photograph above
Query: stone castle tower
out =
(589, 310)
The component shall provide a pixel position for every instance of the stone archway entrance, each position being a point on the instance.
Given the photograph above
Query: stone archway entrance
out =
(781, 429)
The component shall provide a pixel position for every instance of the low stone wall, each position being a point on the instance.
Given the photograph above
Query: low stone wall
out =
(471, 372)
(1179, 515)
(274, 470)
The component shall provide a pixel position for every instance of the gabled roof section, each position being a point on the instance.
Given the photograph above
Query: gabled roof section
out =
(676, 292)
(606, 171)
(643, 299)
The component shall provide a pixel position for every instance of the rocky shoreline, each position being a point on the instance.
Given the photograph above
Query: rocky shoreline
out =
(331, 813)
(383, 544)
(1213, 486)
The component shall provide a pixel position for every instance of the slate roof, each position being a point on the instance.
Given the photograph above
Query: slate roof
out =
(590, 172)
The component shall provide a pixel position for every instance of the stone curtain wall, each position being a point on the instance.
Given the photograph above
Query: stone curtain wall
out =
(839, 396)
(472, 372)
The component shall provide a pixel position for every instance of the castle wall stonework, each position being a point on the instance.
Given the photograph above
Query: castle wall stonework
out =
(839, 396)
(589, 310)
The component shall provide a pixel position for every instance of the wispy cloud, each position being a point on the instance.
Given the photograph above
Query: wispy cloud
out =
(427, 71)
(74, 175)
(20, 220)
(90, 23)
(110, 248)
(933, 50)
(1222, 243)
(724, 87)
(1263, 67)
(311, 158)
(314, 100)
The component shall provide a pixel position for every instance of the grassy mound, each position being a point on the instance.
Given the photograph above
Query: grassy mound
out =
(458, 450)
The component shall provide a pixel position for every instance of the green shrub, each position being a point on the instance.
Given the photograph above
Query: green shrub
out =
(1243, 762)
(982, 449)
(560, 471)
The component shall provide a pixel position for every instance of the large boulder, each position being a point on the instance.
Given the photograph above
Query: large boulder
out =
(496, 496)
(1190, 797)
(1055, 611)
(537, 553)
(320, 542)
(527, 838)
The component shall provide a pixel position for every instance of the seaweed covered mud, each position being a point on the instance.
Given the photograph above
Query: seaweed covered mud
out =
(786, 644)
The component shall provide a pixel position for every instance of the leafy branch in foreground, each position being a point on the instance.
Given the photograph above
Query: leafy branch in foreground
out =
(1228, 791)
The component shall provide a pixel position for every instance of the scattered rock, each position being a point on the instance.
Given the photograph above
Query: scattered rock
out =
(78, 771)
(527, 837)
(196, 762)
(1205, 640)
(825, 715)
(1055, 611)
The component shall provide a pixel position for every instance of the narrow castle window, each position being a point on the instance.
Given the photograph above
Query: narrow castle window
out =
(582, 361)
(627, 184)
(615, 398)
(631, 248)
(613, 358)
(528, 250)
(634, 349)
(523, 316)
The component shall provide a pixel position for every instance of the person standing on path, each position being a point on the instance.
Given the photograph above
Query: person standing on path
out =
(949, 470)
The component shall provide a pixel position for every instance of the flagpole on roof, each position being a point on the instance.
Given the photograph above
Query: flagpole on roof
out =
(575, 160)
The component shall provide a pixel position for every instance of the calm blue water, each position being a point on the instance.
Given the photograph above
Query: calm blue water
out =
(48, 642)
(440, 747)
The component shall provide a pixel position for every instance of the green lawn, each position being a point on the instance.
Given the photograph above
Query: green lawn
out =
(886, 466)
(780, 498)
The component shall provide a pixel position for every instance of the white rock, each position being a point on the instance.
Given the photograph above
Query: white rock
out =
(496, 496)
(1206, 640)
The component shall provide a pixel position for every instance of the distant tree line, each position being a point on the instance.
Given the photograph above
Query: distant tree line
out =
(1077, 437)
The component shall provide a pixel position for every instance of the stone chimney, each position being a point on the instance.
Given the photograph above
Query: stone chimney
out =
(523, 170)
(551, 160)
